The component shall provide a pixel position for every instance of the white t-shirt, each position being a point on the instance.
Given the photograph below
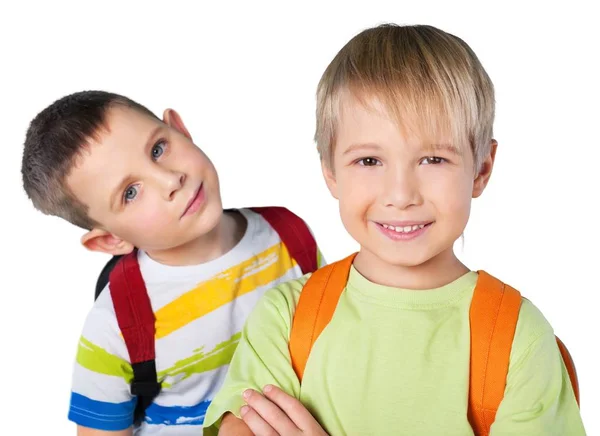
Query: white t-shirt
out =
(200, 311)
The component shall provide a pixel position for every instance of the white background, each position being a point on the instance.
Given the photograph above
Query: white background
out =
(243, 76)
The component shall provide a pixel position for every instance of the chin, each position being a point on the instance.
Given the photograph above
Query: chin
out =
(403, 260)
(209, 218)
(401, 255)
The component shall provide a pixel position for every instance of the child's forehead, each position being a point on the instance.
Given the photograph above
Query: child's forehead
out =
(366, 117)
(122, 120)
(121, 130)
(117, 143)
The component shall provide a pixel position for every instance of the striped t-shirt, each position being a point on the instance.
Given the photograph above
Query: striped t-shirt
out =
(200, 311)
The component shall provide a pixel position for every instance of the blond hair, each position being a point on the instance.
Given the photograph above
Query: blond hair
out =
(427, 79)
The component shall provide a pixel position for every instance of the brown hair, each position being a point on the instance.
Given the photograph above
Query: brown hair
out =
(56, 136)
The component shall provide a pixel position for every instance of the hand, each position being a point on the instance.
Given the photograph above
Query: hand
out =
(276, 413)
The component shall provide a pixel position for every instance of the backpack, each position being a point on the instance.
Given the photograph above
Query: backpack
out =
(134, 311)
(493, 317)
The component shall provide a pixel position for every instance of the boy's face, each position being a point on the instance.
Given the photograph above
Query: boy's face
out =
(405, 200)
(146, 183)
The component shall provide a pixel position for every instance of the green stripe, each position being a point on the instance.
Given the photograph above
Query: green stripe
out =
(200, 362)
(97, 359)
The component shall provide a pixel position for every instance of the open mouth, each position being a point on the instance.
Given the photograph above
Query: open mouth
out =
(195, 202)
(403, 230)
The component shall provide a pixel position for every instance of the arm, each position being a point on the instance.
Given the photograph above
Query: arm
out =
(86, 431)
(100, 393)
(234, 426)
(538, 398)
(276, 413)
(262, 355)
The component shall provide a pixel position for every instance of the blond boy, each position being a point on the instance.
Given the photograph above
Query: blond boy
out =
(404, 129)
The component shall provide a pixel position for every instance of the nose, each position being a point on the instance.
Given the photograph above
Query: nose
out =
(169, 182)
(401, 188)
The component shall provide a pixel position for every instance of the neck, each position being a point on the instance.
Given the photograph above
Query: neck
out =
(222, 238)
(436, 272)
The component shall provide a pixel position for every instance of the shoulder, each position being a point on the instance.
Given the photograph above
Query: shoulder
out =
(101, 326)
(278, 304)
(103, 306)
(532, 328)
(101, 348)
(273, 216)
(532, 323)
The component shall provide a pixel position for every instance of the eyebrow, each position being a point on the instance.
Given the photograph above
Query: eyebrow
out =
(443, 147)
(366, 146)
(126, 179)
(428, 148)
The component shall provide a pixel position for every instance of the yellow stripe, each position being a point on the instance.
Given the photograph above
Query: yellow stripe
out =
(223, 288)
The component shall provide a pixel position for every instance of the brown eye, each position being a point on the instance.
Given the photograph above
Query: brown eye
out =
(368, 162)
(432, 160)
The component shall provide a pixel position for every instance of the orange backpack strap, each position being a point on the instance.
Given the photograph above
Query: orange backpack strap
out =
(568, 360)
(315, 308)
(493, 316)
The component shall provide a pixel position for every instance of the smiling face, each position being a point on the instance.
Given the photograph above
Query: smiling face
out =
(146, 183)
(404, 198)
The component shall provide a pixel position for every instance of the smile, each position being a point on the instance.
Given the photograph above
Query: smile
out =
(195, 202)
(403, 231)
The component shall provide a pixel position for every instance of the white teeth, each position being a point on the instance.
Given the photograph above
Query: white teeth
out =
(404, 229)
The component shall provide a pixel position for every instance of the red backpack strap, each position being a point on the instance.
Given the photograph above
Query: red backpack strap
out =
(570, 365)
(315, 308)
(493, 316)
(136, 320)
(294, 234)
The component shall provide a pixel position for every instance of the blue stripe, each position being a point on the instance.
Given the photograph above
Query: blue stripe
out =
(101, 415)
(176, 415)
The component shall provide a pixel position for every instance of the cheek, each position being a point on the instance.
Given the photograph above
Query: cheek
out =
(152, 218)
(357, 192)
(453, 196)
(196, 159)
(147, 221)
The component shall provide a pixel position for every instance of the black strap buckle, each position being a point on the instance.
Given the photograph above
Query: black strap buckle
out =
(145, 388)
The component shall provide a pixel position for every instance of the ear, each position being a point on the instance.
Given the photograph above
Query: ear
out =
(172, 119)
(105, 242)
(485, 171)
(330, 180)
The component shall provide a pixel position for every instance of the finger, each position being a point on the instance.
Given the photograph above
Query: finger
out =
(293, 408)
(257, 425)
(270, 413)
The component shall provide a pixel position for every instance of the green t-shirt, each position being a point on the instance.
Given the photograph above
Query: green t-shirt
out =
(395, 361)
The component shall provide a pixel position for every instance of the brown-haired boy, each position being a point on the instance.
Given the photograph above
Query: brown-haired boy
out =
(140, 187)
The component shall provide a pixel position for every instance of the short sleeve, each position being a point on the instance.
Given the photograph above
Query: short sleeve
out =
(539, 398)
(262, 356)
(100, 394)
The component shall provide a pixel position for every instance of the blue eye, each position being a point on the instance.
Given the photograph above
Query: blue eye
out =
(130, 193)
(368, 162)
(158, 150)
(432, 160)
